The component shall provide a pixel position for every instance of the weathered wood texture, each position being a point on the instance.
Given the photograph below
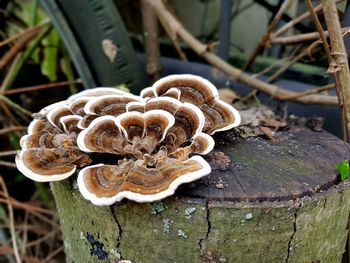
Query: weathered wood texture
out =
(264, 202)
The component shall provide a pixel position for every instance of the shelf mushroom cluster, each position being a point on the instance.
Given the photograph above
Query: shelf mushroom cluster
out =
(125, 146)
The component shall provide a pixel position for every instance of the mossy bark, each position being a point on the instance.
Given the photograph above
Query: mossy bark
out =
(239, 213)
(311, 229)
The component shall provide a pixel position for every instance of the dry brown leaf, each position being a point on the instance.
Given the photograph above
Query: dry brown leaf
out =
(254, 115)
(228, 95)
(110, 49)
(267, 132)
(274, 123)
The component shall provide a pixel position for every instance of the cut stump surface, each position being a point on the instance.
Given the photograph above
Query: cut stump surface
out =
(265, 201)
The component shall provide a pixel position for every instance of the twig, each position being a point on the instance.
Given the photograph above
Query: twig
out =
(297, 20)
(12, 129)
(7, 78)
(318, 27)
(265, 37)
(11, 71)
(328, 53)
(338, 64)
(15, 105)
(26, 54)
(20, 34)
(9, 114)
(39, 240)
(310, 91)
(45, 219)
(33, 228)
(12, 220)
(40, 87)
(54, 253)
(178, 49)
(169, 29)
(6, 250)
(19, 45)
(8, 164)
(270, 67)
(296, 39)
(28, 207)
(290, 62)
(276, 92)
(25, 233)
(7, 153)
(151, 43)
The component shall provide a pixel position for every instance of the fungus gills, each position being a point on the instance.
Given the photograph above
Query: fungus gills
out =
(156, 139)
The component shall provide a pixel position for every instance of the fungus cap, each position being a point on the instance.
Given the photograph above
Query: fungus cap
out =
(148, 144)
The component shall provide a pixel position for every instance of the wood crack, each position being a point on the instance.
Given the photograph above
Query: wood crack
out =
(200, 243)
(120, 231)
(292, 236)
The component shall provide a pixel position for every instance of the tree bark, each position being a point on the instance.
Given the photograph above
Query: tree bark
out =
(264, 201)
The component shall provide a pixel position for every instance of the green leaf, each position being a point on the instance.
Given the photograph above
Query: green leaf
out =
(67, 68)
(343, 169)
(51, 47)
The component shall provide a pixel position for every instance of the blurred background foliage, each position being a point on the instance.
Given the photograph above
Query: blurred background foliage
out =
(32, 56)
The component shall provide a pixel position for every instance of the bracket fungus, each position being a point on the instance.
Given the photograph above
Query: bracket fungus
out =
(126, 146)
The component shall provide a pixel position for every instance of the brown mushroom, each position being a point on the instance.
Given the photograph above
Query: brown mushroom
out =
(155, 138)
(102, 136)
(46, 165)
(107, 184)
(200, 92)
(109, 104)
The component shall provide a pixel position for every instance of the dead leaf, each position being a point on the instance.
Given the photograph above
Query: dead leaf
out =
(254, 115)
(274, 123)
(109, 49)
(267, 132)
(228, 95)
(246, 131)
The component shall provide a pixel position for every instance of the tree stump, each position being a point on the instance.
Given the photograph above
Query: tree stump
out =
(265, 201)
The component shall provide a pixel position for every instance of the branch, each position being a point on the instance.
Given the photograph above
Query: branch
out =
(297, 20)
(311, 91)
(12, 129)
(318, 27)
(18, 35)
(266, 37)
(290, 62)
(40, 87)
(168, 20)
(11, 220)
(15, 105)
(338, 64)
(19, 45)
(150, 38)
(296, 39)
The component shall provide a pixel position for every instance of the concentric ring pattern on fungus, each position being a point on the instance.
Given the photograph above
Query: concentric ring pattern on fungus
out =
(126, 146)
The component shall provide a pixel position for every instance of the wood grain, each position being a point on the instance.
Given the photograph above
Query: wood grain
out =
(298, 163)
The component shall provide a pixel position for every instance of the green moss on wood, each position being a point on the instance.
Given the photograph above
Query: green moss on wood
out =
(248, 234)
(189, 230)
(321, 228)
(78, 217)
(149, 237)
